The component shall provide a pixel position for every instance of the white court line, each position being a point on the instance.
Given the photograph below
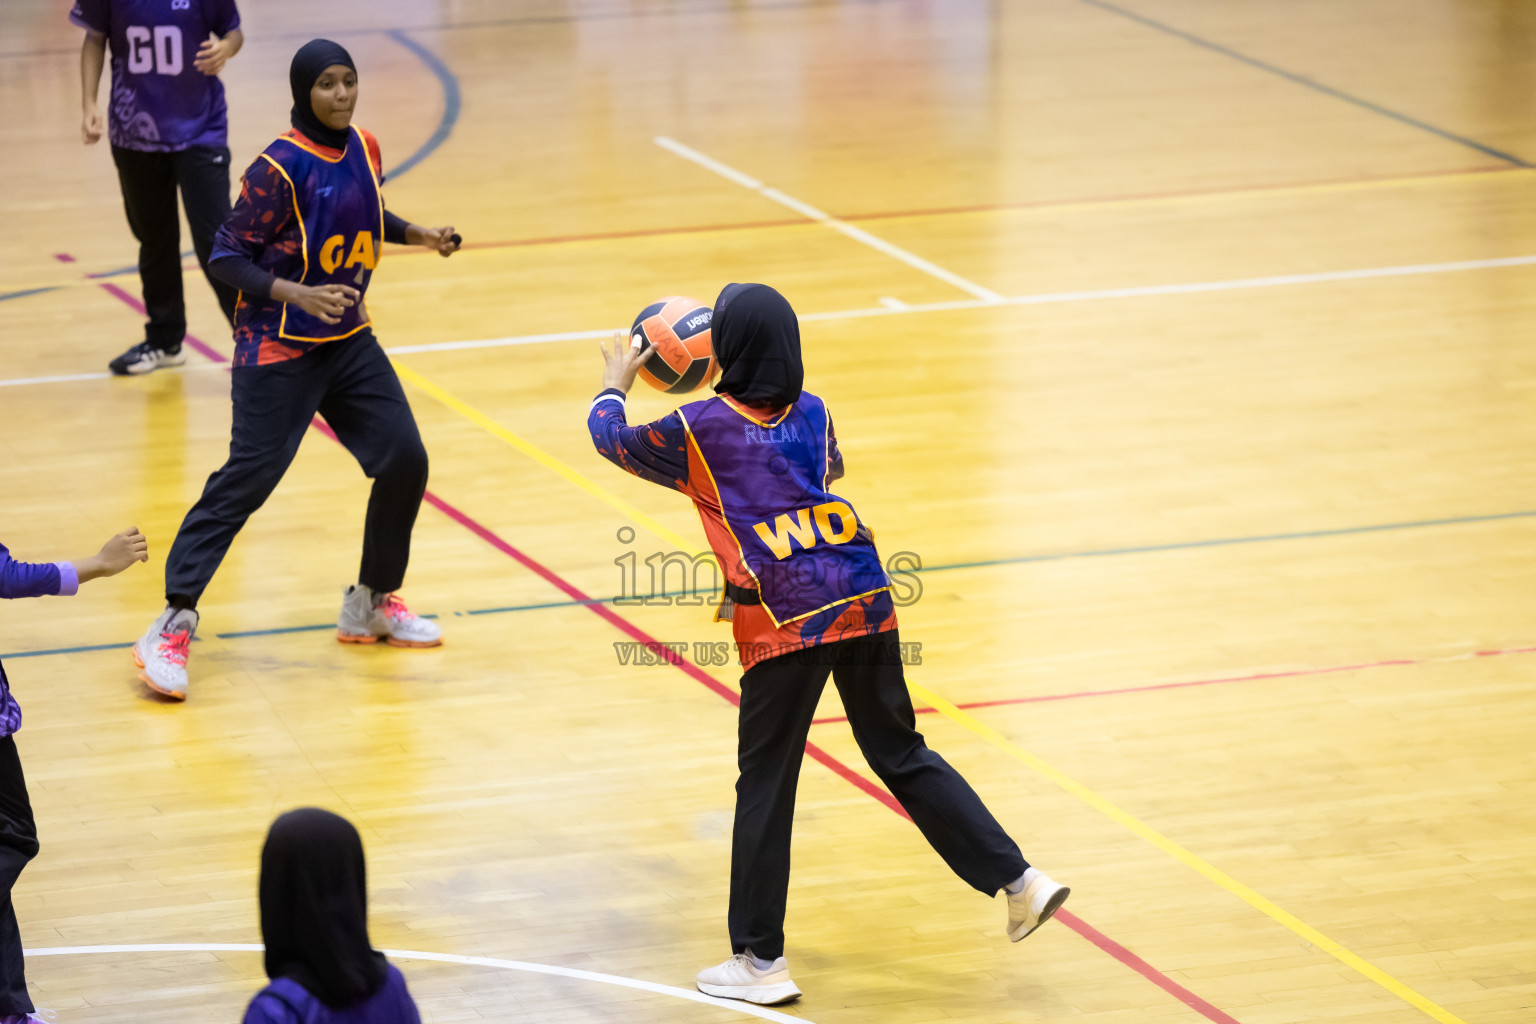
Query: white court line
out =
(525, 339)
(17, 382)
(807, 210)
(897, 308)
(69, 378)
(1045, 298)
(692, 995)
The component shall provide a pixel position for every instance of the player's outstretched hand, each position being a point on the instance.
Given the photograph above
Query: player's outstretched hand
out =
(442, 241)
(213, 55)
(92, 124)
(328, 301)
(622, 360)
(115, 555)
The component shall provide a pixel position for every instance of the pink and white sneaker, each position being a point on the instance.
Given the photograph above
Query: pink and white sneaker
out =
(367, 618)
(161, 653)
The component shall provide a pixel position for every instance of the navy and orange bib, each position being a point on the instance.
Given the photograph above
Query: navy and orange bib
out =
(783, 534)
(340, 209)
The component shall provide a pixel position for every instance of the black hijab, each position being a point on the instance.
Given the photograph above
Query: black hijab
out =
(312, 59)
(757, 343)
(314, 908)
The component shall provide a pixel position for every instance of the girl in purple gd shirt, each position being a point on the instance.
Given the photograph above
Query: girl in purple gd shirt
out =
(167, 123)
(18, 832)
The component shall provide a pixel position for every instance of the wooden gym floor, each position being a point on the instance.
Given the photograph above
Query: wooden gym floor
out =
(1186, 343)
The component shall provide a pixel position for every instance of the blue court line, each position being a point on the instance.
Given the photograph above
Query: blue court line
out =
(76, 650)
(553, 604)
(29, 291)
(67, 650)
(277, 632)
(1346, 531)
(1310, 83)
(1229, 541)
(242, 634)
(452, 102)
(120, 271)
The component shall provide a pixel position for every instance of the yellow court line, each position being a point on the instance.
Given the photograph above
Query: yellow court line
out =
(1162, 842)
(973, 725)
(542, 457)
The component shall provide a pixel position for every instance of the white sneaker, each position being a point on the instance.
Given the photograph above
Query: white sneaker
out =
(1033, 905)
(364, 622)
(739, 978)
(161, 653)
(145, 358)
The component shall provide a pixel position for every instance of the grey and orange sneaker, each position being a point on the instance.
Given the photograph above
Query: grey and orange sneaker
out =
(161, 653)
(367, 618)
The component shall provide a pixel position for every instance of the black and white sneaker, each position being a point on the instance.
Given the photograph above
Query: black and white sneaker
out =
(144, 357)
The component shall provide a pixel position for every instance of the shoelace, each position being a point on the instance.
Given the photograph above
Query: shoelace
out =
(175, 646)
(394, 608)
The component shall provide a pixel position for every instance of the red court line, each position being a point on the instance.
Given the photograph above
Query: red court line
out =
(1390, 663)
(133, 303)
(936, 211)
(602, 611)
(1072, 921)
(1179, 686)
(207, 350)
(940, 211)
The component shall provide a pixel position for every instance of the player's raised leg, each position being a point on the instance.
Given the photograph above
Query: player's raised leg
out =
(869, 678)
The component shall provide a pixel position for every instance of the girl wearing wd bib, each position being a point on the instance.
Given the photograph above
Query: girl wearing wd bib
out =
(807, 596)
(301, 246)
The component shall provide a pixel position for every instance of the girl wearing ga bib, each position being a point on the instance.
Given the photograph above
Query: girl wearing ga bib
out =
(301, 246)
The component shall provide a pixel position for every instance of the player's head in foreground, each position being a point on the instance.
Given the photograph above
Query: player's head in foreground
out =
(314, 908)
(324, 83)
(757, 344)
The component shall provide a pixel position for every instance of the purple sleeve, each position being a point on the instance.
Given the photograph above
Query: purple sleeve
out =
(657, 451)
(221, 15)
(22, 579)
(92, 15)
(834, 456)
(259, 215)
